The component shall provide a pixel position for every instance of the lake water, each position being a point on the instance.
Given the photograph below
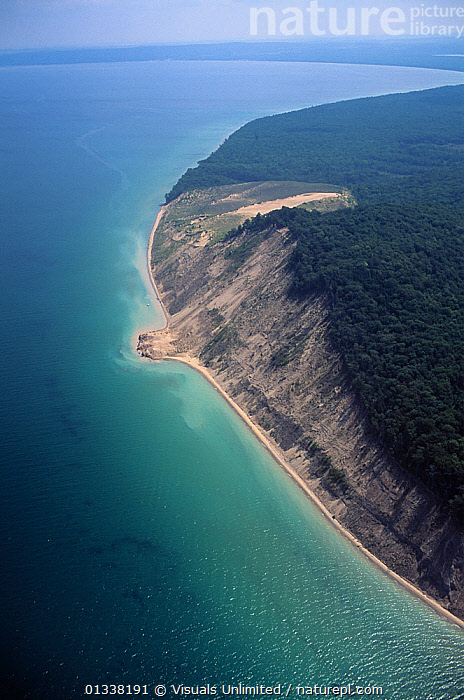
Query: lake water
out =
(148, 538)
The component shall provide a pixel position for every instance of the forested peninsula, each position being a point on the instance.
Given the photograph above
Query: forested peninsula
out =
(337, 322)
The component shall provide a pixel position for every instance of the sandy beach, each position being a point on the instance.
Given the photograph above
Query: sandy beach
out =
(279, 457)
(161, 213)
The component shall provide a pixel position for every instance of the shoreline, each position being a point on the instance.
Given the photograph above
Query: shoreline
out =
(276, 453)
(160, 215)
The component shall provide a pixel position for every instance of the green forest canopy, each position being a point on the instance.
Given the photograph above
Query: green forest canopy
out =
(390, 147)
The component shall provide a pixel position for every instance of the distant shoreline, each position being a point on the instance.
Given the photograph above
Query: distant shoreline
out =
(276, 453)
(359, 51)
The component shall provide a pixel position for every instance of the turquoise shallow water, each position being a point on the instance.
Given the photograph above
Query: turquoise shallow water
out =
(148, 537)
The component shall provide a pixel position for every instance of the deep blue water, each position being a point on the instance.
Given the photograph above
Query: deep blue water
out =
(147, 537)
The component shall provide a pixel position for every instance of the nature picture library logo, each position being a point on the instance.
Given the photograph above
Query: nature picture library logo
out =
(327, 19)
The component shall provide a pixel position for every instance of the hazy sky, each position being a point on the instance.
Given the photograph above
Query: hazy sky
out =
(34, 23)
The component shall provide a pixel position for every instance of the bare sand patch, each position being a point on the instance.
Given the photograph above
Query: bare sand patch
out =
(295, 201)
